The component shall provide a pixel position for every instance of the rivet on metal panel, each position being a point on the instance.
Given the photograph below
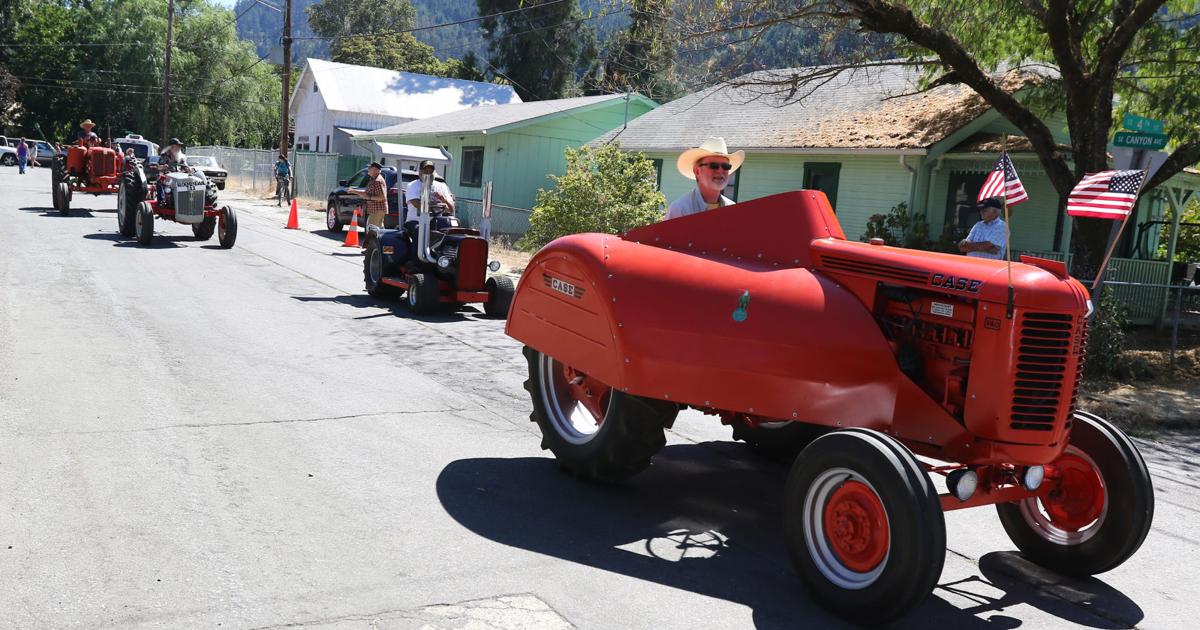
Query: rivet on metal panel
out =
(655, 239)
(972, 396)
(624, 389)
(706, 403)
(794, 414)
(620, 325)
(797, 261)
(752, 410)
(760, 254)
(931, 438)
(610, 276)
(666, 397)
(627, 359)
(614, 299)
(839, 423)
(722, 249)
(689, 243)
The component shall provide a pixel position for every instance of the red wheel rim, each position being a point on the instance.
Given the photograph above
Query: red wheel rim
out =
(589, 392)
(1076, 496)
(856, 526)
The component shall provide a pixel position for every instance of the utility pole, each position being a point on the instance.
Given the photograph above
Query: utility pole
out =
(167, 76)
(287, 79)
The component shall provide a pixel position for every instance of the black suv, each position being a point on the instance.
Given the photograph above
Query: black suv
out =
(340, 207)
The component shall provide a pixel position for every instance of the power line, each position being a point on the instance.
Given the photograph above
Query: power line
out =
(435, 26)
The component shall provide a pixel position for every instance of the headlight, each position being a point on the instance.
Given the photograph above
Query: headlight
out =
(444, 262)
(494, 265)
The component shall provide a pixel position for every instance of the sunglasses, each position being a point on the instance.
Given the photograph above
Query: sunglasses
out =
(724, 166)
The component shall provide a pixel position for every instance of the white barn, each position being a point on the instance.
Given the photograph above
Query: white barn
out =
(333, 102)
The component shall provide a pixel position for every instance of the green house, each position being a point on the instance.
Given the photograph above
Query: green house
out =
(871, 140)
(514, 146)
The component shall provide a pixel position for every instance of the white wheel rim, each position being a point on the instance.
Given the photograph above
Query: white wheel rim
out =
(121, 206)
(375, 266)
(819, 547)
(412, 296)
(570, 419)
(330, 217)
(1039, 521)
(139, 224)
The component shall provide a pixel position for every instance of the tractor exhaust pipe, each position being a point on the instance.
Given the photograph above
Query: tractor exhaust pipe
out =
(423, 220)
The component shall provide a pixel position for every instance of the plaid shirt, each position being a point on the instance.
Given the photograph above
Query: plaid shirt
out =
(377, 188)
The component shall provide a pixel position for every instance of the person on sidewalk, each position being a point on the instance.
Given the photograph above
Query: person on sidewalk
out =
(987, 238)
(283, 174)
(710, 164)
(375, 195)
(22, 156)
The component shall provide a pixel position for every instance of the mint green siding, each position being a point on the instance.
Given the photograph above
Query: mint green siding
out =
(519, 160)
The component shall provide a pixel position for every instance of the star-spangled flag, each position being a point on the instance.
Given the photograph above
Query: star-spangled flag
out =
(1105, 195)
(1003, 182)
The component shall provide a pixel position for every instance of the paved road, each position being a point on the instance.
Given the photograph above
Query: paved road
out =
(199, 438)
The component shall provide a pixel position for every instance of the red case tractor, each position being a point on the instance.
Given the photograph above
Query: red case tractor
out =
(187, 197)
(95, 170)
(859, 357)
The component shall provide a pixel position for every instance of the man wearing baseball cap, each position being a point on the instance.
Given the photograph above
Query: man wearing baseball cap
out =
(710, 164)
(440, 197)
(376, 196)
(988, 237)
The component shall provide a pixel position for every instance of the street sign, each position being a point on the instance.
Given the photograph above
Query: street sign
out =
(1134, 122)
(1139, 140)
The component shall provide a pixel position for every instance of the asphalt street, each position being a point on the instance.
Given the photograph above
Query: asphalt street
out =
(198, 438)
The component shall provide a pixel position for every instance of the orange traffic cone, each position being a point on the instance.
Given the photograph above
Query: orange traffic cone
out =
(293, 220)
(352, 232)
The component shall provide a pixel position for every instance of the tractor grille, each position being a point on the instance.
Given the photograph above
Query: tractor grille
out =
(1047, 343)
(189, 200)
(850, 265)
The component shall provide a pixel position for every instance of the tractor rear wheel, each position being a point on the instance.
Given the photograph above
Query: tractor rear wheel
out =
(500, 296)
(373, 270)
(864, 525)
(778, 440)
(129, 195)
(144, 223)
(227, 227)
(204, 229)
(424, 297)
(594, 431)
(1095, 506)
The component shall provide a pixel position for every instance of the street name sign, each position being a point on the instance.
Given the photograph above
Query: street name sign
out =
(1139, 140)
(1134, 122)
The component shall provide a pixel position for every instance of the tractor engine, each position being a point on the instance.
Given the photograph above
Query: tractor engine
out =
(185, 194)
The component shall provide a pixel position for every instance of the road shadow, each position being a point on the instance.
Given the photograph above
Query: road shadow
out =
(706, 519)
(160, 241)
(77, 213)
(396, 308)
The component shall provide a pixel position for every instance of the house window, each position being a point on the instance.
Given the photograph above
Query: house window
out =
(318, 144)
(472, 167)
(328, 145)
(314, 86)
(823, 176)
(658, 164)
(731, 187)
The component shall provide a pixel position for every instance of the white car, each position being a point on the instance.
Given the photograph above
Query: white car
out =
(8, 155)
(210, 168)
(143, 149)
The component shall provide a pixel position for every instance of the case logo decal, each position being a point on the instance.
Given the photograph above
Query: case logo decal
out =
(563, 287)
(943, 281)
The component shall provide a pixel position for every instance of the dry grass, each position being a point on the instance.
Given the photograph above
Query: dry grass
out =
(1157, 397)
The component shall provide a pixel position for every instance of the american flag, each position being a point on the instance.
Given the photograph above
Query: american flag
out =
(1105, 195)
(1003, 182)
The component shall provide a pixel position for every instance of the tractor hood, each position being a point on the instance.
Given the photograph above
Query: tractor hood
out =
(1037, 283)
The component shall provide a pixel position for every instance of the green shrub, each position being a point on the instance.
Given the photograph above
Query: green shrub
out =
(1106, 340)
(604, 189)
(898, 228)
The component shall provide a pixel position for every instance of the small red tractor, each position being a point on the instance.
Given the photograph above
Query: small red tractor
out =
(180, 194)
(95, 170)
(882, 368)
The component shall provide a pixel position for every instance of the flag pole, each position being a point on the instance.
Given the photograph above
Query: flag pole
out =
(1007, 231)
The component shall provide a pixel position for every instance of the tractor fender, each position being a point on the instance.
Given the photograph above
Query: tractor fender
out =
(708, 329)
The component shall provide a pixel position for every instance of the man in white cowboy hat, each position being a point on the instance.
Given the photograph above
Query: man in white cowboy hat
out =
(710, 165)
(85, 136)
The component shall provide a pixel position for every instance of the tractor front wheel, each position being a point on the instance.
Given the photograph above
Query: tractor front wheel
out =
(594, 430)
(204, 229)
(1094, 508)
(144, 223)
(500, 296)
(864, 526)
(373, 270)
(64, 198)
(423, 294)
(227, 227)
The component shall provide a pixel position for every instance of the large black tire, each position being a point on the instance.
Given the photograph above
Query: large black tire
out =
(500, 296)
(1067, 532)
(64, 198)
(203, 230)
(227, 227)
(144, 223)
(333, 220)
(864, 525)
(55, 196)
(373, 270)
(781, 441)
(594, 431)
(131, 193)
(424, 297)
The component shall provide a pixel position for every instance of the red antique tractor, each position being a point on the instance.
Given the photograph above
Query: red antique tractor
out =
(883, 368)
(85, 169)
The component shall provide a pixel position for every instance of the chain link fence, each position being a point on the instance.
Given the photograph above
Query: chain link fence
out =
(314, 175)
(508, 222)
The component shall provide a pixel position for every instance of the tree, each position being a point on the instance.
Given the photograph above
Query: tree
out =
(603, 190)
(1099, 58)
(341, 18)
(394, 51)
(540, 45)
(8, 95)
(641, 58)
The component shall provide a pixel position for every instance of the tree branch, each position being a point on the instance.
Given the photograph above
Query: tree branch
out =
(1109, 59)
(1182, 157)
